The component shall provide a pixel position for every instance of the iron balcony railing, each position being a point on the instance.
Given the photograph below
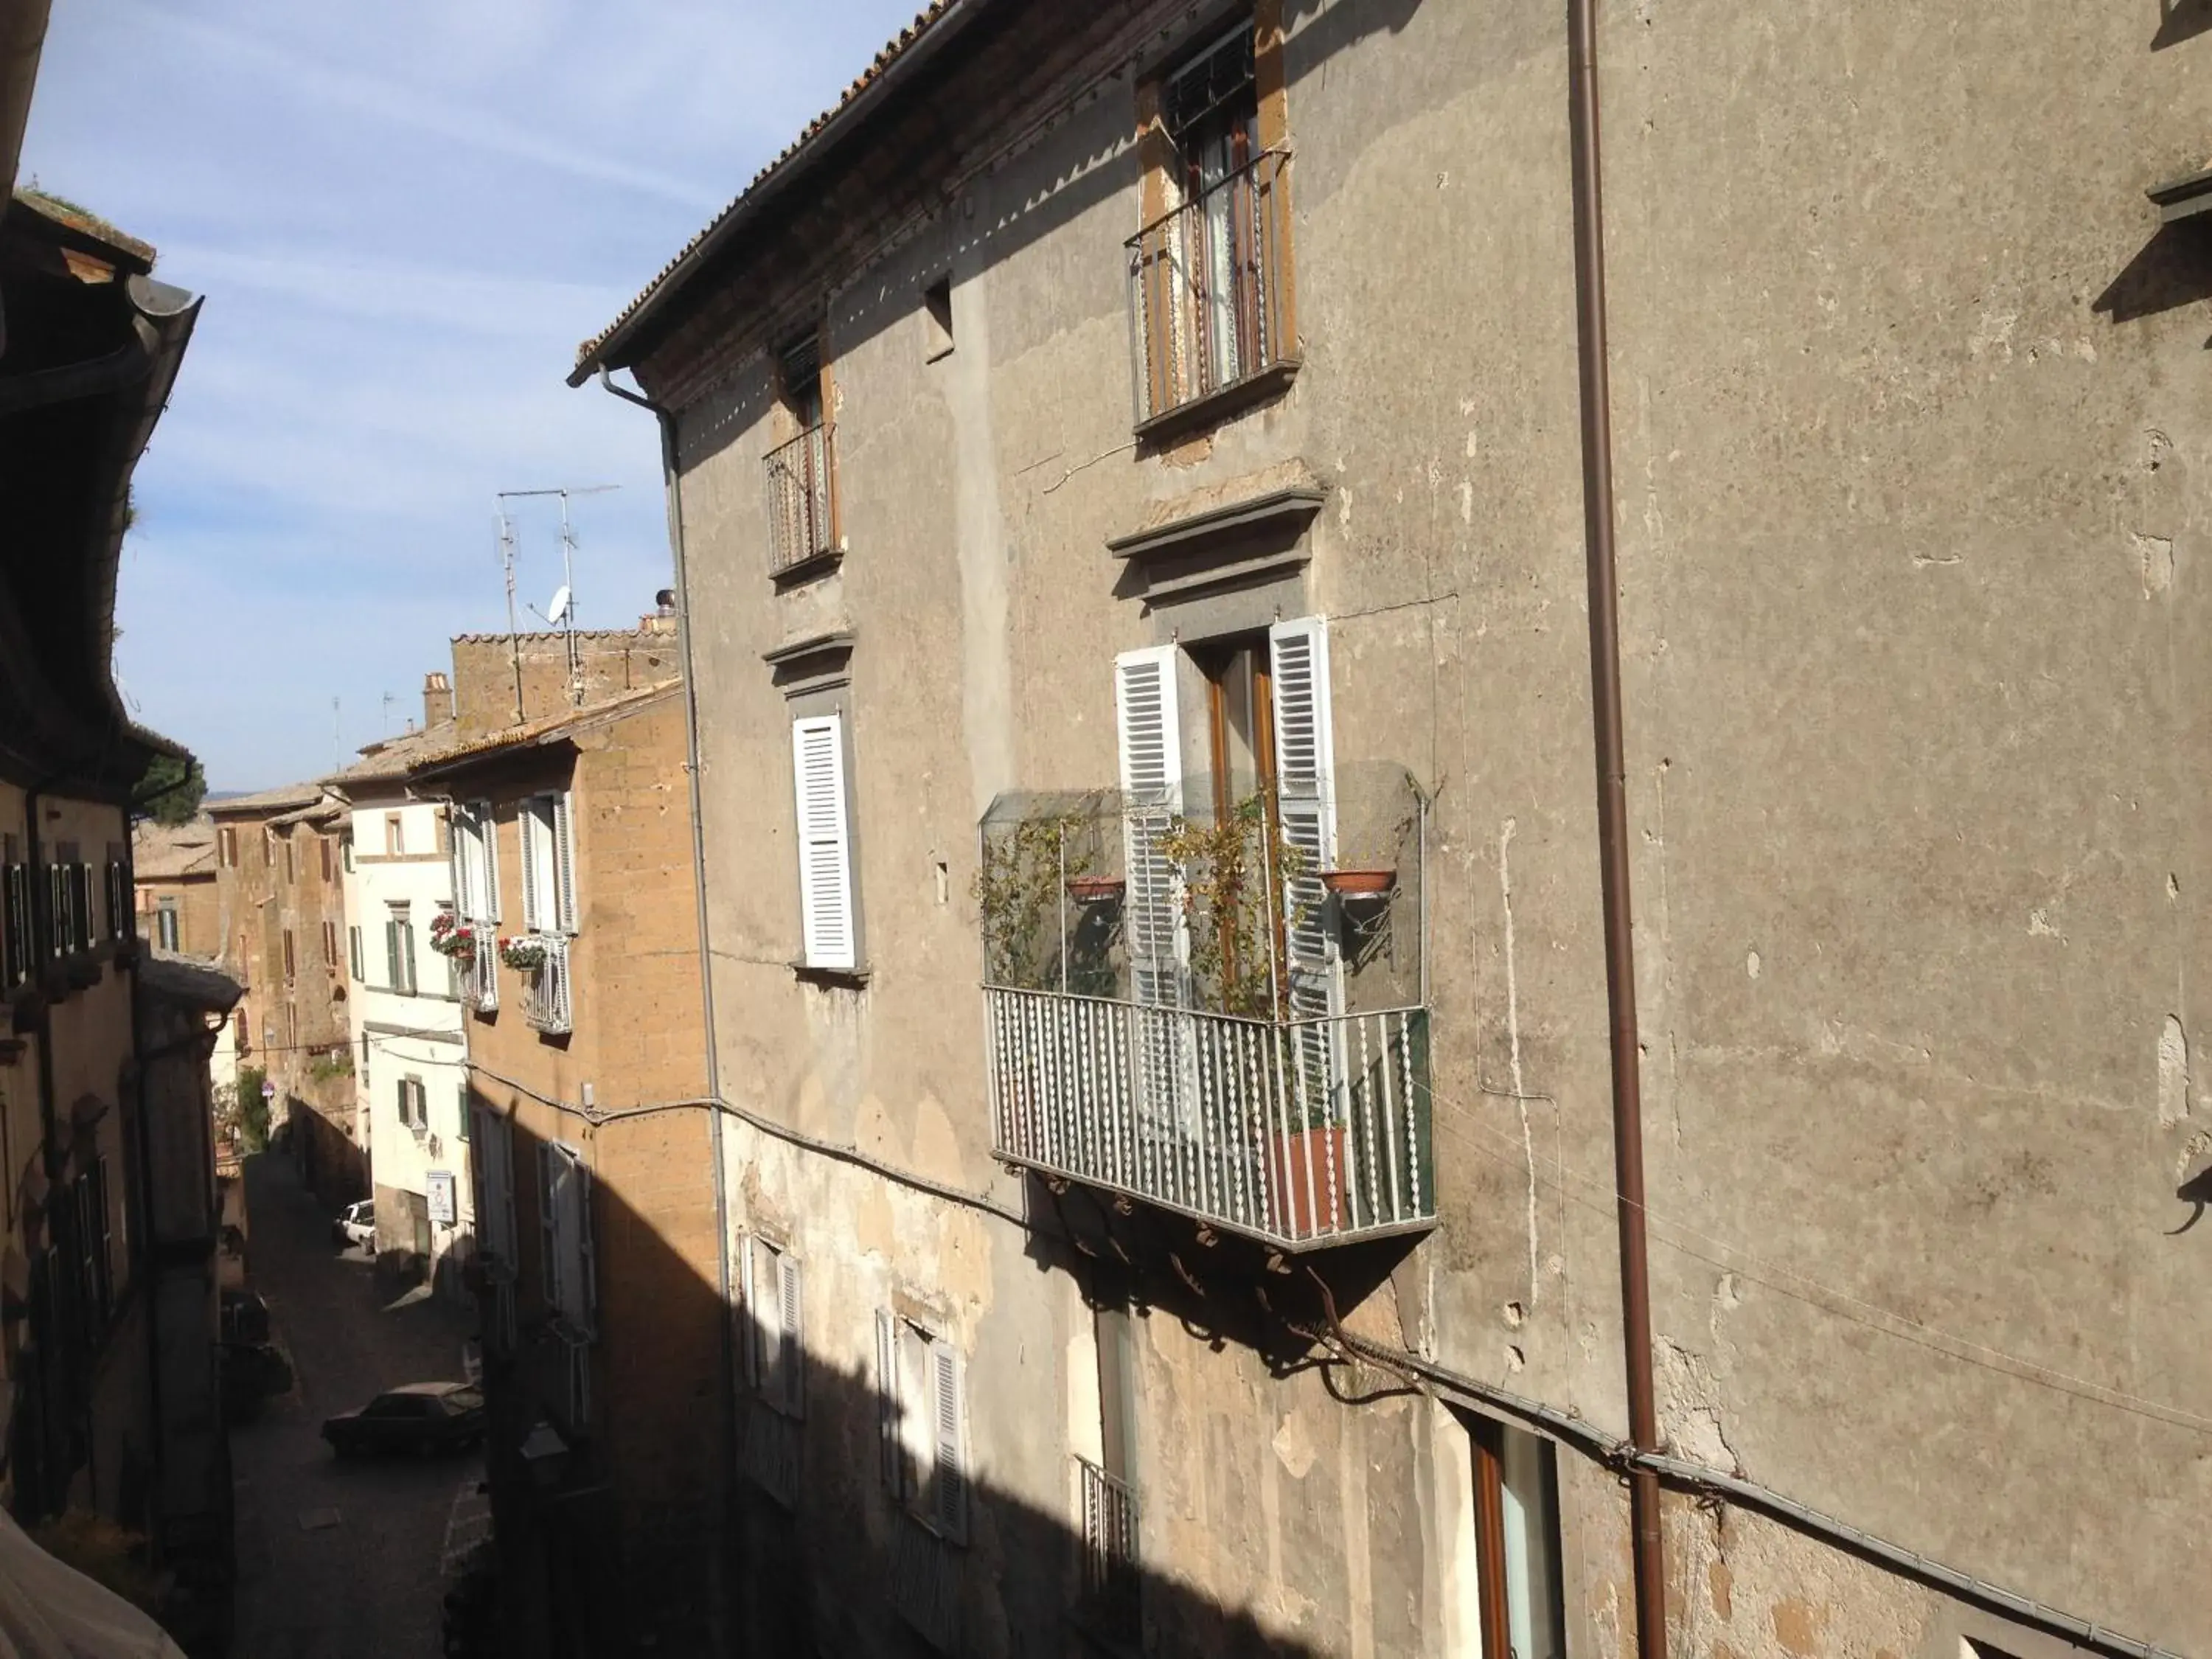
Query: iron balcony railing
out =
(545, 1002)
(1209, 288)
(1110, 1576)
(802, 499)
(1299, 1133)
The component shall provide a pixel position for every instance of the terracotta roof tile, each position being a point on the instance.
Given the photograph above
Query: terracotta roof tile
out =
(546, 726)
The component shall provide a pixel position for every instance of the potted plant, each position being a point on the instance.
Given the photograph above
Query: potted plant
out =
(452, 937)
(524, 952)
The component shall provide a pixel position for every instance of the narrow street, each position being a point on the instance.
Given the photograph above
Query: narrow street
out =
(337, 1560)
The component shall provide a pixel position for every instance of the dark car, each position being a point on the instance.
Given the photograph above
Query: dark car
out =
(421, 1416)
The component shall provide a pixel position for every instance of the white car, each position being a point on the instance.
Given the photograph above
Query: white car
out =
(356, 1225)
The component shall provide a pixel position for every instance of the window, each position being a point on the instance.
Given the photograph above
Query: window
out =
(461, 1125)
(476, 863)
(348, 849)
(240, 1034)
(323, 848)
(96, 1243)
(773, 1326)
(921, 1421)
(399, 949)
(937, 319)
(802, 468)
(1517, 1538)
(330, 944)
(227, 846)
(566, 1267)
(19, 947)
(69, 899)
(827, 921)
(549, 865)
(268, 847)
(1267, 738)
(1210, 291)
(290, 873)
(395, 835)
(166, 934)
(354, 955)
(118, 893)
(289, 966)
(414, 1105)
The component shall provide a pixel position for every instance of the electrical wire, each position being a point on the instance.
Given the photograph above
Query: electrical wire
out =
(1765, 1272)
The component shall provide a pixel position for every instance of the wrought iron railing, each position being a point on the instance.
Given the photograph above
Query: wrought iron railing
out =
(1110, 1579)
(545, 1002)
(1297, 1131)
(802, 499)
(1209, 288)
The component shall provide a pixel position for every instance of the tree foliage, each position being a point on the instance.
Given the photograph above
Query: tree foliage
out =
(171, 792)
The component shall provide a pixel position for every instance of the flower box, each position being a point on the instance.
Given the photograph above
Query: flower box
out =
(1096, 889)
(526, 955)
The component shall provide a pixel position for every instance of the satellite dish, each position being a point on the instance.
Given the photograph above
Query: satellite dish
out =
(557, 612)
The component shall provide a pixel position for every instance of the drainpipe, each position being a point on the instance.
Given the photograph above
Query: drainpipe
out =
(674, 485)
(1650, 1550)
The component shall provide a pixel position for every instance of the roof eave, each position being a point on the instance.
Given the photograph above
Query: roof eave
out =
(650, 306)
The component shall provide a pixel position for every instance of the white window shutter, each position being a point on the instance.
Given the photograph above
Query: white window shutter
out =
(1305, 785)
(549, 1201)
(456, 842)
(825, 863)
(949, 1495)
(748, 1331)
(528, 830)
(889, 1429)
(791, 1325)
(564, 864)
(1151, 733)
(587, 1253)
(488, 850)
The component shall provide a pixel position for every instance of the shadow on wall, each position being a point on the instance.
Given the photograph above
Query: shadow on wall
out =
(824, 1508)
(2172, 270)
(2179, 20)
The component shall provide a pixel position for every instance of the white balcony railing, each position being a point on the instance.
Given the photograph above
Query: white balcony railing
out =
(476, 979)
(546, 999)
(1300, 1132)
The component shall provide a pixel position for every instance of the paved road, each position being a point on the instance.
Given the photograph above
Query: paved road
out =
(337, 1560)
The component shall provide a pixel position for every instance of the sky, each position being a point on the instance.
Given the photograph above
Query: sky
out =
(403, 217)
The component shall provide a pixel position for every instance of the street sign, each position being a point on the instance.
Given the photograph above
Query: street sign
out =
(442, 1197)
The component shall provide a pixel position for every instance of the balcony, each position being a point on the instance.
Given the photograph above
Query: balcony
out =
(1110, 1577)
(1185, 1010)
(545, 995)
(1209, 295)
(802, 501)
(476, 978)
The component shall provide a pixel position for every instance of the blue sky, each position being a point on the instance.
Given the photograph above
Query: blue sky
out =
(404, 216)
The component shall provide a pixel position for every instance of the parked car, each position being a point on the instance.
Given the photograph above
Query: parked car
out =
(356, 1225)
(420, 1417)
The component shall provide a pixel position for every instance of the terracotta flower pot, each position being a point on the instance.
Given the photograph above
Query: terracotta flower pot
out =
(1359, 884)
(1306, 1174)
(1094, 889)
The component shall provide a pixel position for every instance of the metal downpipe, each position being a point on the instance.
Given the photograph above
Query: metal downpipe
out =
(1584, 144)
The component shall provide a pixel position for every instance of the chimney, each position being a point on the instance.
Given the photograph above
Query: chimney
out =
(437, 699)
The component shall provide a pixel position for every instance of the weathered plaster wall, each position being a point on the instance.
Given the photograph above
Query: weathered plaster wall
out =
(1908, 409)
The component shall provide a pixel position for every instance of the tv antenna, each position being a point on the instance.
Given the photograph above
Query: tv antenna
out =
(559, 612)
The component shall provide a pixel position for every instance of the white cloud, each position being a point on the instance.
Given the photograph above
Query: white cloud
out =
(404, 216)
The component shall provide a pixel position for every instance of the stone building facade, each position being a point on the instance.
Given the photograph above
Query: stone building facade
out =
(597, 1225)
(1175, 407)
(173, 868)
(104, 1331)
(281, 888)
